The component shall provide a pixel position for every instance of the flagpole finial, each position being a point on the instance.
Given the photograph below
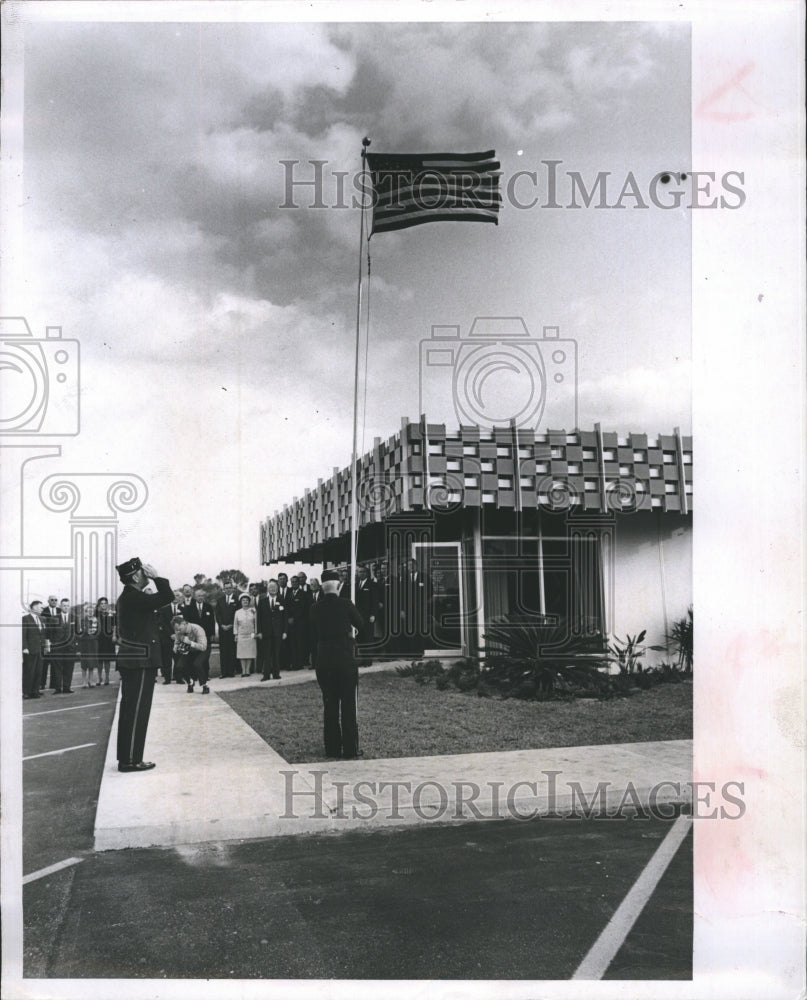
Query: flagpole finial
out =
(366, 142)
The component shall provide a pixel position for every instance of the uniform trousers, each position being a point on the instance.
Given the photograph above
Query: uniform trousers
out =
(137, 690)
(339, 686)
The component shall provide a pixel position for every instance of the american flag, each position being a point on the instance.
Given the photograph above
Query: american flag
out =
(409, 189)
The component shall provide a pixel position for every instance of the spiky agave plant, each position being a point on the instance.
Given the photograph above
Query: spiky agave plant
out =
(539, 659)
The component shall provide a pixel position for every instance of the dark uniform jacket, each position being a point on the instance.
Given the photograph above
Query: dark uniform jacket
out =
(139, 626)
(331, 619)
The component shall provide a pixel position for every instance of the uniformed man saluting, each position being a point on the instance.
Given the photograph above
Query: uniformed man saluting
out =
(332, 620)
(139, 658)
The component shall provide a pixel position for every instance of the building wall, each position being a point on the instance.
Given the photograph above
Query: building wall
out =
(651, 575)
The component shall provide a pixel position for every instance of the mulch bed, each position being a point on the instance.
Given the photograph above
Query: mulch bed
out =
(399, 718)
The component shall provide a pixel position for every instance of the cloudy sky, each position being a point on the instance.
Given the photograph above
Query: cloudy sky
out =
(217, 326)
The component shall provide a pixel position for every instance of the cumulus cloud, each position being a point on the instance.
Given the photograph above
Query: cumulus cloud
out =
(211, 317)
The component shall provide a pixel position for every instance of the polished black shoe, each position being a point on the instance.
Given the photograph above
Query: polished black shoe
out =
(164, 682)
(205, 689)
(142, 766)
(275, 677)
(265, 679)
(68, 691)
(190, 689)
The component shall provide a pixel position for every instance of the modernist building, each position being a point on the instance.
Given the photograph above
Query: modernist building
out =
(590, 528)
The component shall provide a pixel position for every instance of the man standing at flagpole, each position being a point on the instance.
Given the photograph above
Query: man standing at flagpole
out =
(332, 622)
(139, 658)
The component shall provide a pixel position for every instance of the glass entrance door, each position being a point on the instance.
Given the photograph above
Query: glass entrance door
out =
(441, 565)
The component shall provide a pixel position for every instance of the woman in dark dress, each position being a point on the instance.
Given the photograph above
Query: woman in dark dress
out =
(107, 636)
(88, 645)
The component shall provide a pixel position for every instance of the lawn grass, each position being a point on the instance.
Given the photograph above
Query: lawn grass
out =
(399, 718)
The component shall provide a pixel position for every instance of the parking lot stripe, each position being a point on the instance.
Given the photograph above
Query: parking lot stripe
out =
(73, 708)
(596, 962)
(50, 869)
(50, 753)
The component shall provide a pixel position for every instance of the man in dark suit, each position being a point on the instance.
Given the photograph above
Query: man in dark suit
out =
(226, 608)
(332, 622)
(50, 619)
(139, 658)
(34, 648)
(166, 615)
(297, 604)
(343, 588)
(201, 613)
(256, 593)
(384, 595)
(316, 593)
(367, 606)
(64, 649)
(272, 629)
(282, 587)
(283, 592)
(414, 600)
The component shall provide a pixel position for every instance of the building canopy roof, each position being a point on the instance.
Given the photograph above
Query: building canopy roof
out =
(425, 466)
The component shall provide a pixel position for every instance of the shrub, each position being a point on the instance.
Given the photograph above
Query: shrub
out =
(682, 638)
(423, 671)
(627, 653)
(541, 661)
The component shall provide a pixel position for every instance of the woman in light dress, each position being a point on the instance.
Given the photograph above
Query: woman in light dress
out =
(245, 628)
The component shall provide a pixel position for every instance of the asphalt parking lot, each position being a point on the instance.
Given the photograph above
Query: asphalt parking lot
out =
(492, 900)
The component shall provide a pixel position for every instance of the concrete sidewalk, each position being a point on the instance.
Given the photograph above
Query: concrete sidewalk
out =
(217, 780)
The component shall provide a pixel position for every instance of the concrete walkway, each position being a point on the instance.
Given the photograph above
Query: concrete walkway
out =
(217, 780)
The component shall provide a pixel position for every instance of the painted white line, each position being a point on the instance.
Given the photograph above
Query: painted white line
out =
(73, 708)
(596, 962)
(51, 869)
(50, 753)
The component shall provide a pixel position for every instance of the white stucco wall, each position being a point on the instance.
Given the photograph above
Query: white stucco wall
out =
(641, 591)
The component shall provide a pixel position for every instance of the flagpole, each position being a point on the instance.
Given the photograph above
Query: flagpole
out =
(354, 492)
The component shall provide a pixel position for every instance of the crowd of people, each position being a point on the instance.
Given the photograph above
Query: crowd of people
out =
(57, 636)
(264, 629)
(273, 626)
